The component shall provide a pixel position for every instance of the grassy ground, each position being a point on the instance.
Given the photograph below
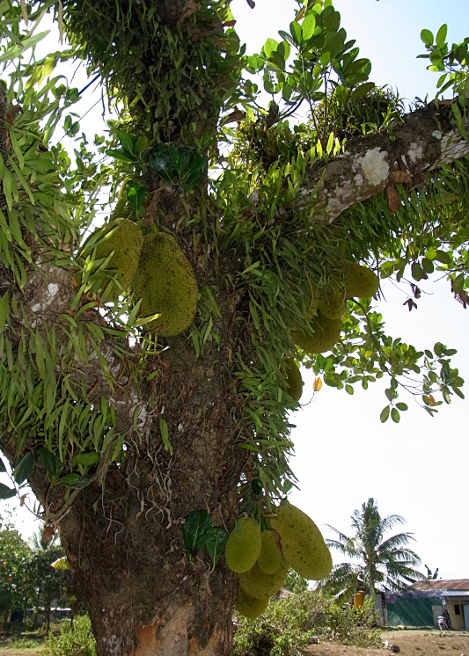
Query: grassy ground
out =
(410, 643)
(22, 646)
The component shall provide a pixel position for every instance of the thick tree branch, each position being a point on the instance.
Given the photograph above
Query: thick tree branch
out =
(427, 139)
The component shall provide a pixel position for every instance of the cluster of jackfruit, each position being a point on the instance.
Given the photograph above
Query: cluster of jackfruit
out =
(154, 268)
(359, 281)
(166, 283)
(262, 560)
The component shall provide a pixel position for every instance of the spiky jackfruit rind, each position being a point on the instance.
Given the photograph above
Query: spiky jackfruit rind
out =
(326, 335)
(123, 237)
(270, 557)
(248, 606)
(259, 585)
(360, 282)
(294, 380)
(302, 543)
(166, 283)
(243, 546)
(333, 306)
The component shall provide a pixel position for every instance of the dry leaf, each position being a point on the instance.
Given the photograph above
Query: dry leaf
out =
(431, 400)
(237, 115)
(201, 35)
(410, 304)
(393, 198)
(12, 113)
(48, 534)
(400, 177)
(317, 386)
(248, 473)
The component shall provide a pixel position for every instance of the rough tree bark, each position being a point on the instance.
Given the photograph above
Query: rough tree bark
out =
(122, 535)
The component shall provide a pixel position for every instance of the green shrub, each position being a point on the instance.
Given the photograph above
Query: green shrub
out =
(24, 643)
(288, 623)
(295, 582)
(78, 641)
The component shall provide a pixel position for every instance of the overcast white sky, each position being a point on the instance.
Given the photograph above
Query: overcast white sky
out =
(344, 455)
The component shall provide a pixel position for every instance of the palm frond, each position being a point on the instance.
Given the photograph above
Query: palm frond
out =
(345, 548)
(390, 521)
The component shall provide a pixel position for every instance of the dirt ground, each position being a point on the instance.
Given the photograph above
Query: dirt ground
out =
(410, 643)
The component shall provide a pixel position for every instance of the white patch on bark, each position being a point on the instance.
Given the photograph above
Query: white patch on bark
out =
(375, 166)
(343, 196)
(453, 147)
(52, 288)
(437, 134)
(415, 152)
(358, 180)
(46, 300)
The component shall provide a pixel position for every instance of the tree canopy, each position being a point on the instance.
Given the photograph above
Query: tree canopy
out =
(148, 370)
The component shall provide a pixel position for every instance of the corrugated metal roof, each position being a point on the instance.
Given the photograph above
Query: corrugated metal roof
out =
(450, 584)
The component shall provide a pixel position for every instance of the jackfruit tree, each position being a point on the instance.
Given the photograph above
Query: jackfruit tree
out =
(149, 364)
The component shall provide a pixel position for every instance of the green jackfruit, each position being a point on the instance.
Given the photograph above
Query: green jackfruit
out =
(259, 585)
(302, 543)
(326, 334)
(243, 546)
(123, 237)
(249, 606)
(166, 283)
(294, 380)
(333, 306)
(270, 557)
(360, 282)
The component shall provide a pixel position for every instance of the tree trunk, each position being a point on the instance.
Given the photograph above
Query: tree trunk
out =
(47, 615)
(124, 543)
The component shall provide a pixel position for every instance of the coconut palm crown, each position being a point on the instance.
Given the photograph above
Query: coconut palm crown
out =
(374, 561)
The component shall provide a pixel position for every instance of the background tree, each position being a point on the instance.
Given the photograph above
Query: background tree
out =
(377, 562)
(131, 418)
(15, 583)
(295, 583)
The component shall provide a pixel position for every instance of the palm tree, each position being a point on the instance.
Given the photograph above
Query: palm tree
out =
(375, 562)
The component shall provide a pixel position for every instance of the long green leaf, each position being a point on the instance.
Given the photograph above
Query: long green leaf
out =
(24, 468)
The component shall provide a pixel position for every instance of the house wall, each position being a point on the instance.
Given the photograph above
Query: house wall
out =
(457, 621)
(411, 612)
